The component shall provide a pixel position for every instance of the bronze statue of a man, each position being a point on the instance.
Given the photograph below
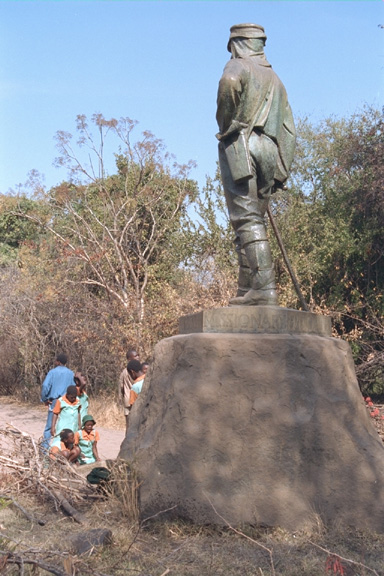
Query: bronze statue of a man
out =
(257, 142)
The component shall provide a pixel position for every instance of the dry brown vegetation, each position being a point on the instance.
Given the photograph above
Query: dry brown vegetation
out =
(107, 412)
(156, 548)
(104, 262)
(43, 505)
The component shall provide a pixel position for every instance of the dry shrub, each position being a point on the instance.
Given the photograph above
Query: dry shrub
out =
(160, 547)
(30, 469)
(38, 321)
(9, 361)
(107, 412)
(157, 546)
(122, 491)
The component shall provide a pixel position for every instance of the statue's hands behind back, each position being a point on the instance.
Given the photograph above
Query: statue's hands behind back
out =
(279, 187)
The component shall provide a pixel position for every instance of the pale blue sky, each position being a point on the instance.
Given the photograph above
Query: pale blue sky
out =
(159, 62)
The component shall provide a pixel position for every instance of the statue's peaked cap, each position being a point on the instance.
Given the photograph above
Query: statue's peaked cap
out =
(246, 31)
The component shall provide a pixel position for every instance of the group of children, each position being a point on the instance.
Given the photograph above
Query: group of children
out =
(73, 433)
(69, 425)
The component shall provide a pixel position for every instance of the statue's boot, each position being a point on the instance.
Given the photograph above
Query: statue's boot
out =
(244, 282)
(263, 286)
(262, 295)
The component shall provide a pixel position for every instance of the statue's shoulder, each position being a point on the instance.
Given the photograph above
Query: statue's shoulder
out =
(235, 66)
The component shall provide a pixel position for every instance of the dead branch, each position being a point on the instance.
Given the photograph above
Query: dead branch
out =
(12, 464)
(12, 558)
(63, 502)
(158, 514)
(34, 471)
(23, 510)
(270, 552)
(35, 556)
(348, 560)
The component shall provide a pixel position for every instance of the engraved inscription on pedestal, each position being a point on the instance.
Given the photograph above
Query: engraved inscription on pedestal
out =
(255, 320)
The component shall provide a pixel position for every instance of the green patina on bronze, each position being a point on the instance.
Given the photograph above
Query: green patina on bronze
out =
(257, 142)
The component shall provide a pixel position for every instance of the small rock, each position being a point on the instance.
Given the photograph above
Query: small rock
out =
(84, 541)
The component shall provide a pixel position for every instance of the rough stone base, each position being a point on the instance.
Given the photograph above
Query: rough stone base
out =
(266, 428)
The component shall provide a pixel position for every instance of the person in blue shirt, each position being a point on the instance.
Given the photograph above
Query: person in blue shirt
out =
(55, 385)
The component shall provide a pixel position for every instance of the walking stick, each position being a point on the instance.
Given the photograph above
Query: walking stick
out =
(303, 303)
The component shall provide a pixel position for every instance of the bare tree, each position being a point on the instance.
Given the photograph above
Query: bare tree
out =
(112, 231)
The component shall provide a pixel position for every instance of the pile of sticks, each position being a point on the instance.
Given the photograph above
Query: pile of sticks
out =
(25, 468)
(32, 558)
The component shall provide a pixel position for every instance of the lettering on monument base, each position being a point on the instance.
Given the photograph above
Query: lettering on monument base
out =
(255, 320)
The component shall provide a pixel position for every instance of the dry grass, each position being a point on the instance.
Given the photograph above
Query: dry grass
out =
(179, 549)
(107, 412)
(157, 547)
(41, 492)
(122, 492)
(154, 548)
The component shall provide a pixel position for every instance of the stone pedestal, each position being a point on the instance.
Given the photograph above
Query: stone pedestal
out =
(255, 320)
(265, 428)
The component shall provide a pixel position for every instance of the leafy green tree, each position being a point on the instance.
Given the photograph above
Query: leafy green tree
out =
(212, 260)
(15, 231)
(108, 260)
(332, 222)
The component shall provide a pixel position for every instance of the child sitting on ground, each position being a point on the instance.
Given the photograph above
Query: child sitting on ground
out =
(66, 446)
(87, 439)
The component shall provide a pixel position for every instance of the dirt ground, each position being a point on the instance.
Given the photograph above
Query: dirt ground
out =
(155, 546)
(32, 420)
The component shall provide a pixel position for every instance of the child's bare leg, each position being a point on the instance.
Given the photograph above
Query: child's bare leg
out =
(65, 453)
(74, 454)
